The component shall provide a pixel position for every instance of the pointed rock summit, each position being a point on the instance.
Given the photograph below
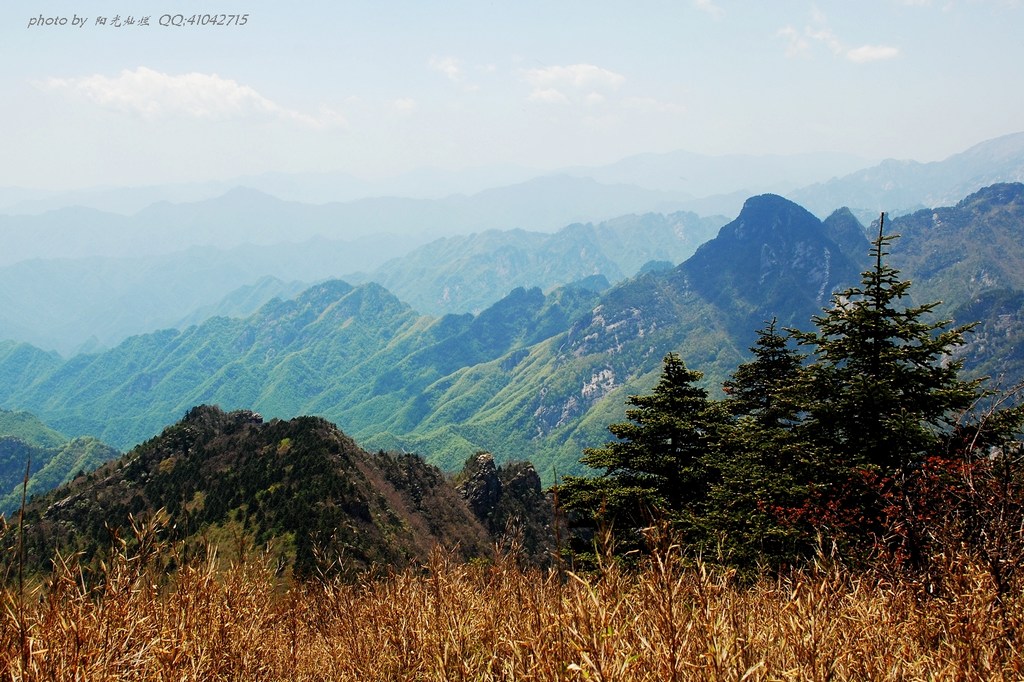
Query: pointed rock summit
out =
(774, 260)
(482, 487)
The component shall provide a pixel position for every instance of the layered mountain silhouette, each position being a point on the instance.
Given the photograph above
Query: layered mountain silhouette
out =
(468, 273)
(28, 447)
(299, 489)
(903, 186)
(78, 279)
(76, 305)
(537, 375)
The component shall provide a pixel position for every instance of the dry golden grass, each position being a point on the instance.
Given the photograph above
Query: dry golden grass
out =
(670, 620)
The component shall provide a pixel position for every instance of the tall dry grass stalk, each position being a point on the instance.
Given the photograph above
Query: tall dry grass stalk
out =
(673, 619)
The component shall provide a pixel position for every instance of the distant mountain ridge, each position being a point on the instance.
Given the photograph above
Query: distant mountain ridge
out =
(682, 175)
(960, 251)
(660, 182)
(91, 304)
(244, 216)
(702, 175)
(533, 376)
(969, 258)
(50, 459)
(903, 186)
(469, 273)
(29, 429)
(75, 280)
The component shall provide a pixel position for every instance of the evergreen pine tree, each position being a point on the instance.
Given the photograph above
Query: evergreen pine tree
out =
(857, 443)
(881, 395)
(759, 389)
(657, 468)
(760, 463)
(882, 390)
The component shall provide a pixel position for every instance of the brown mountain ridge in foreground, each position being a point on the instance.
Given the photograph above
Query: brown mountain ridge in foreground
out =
(300, 489)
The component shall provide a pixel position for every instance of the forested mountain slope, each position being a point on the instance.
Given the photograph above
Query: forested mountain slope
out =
(470, 272)
(300, 488)
(74, 305)
(534, 376)
(50, 459)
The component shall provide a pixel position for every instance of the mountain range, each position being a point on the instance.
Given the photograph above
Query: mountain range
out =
(536, 375)
(902, 186)
(469, 273)
(299, 490)
(700, 183)
(679, 174)
(87, 304)
(245, 216)
(83, 278)
(49, 458)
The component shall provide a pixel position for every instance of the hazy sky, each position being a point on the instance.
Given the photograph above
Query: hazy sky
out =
(379, 88)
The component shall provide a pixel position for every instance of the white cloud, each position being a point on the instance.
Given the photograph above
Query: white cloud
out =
(826, 37)
(449, 66)
(800, 43)
(575, 76)
(709, 7)
(152, 94)
(549, 95)
(584, 83)
(405, 105)
(596, 93)
(871, 53)
(797, 45)
(454, 70)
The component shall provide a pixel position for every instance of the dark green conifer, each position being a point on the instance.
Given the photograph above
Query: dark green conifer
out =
(882, 395)
(759, 389)
(883, 389)
(657, 468)
(759, 460)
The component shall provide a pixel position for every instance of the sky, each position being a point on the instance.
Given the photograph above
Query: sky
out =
(376, 89)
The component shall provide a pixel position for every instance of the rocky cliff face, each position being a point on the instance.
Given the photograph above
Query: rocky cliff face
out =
(510, 503)
(482, 487)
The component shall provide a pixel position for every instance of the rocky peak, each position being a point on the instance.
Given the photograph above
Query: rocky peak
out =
(481, 487)
(775, 255)
(844, 229)
(510, 503)
(522, 481)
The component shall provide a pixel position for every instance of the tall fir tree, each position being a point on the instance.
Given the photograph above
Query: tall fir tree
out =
(883, 389)
(860, 442)
(759, 461)
(657, 468)
(759, 389)
(882, 394)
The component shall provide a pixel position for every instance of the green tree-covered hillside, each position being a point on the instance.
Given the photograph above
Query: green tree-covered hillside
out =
(50, 459)
(869, 441)
(535, 376)
(300, 487)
